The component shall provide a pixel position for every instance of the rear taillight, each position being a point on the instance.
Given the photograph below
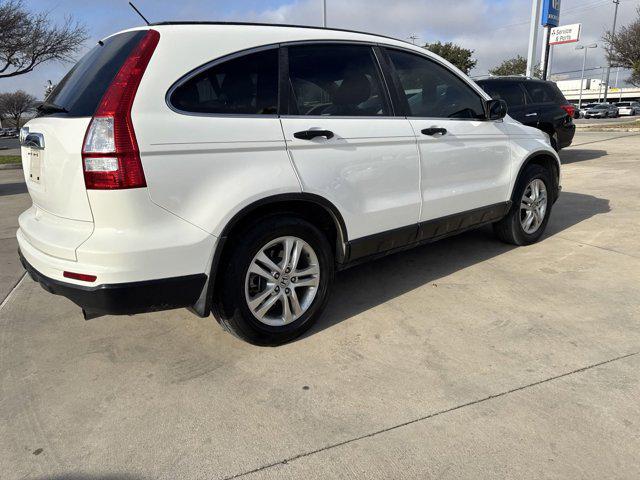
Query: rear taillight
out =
(110, 155)
(570, 109)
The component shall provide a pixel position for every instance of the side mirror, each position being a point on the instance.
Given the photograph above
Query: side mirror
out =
(496, 109)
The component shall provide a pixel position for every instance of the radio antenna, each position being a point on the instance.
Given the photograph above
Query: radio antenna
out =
(139, 13)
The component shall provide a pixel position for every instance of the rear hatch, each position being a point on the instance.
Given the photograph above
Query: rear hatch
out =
(52, 146)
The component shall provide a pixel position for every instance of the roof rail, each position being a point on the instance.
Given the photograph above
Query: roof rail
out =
(257, 24)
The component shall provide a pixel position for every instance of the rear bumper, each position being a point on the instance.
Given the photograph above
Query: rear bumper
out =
(566, 134)
(125, 298)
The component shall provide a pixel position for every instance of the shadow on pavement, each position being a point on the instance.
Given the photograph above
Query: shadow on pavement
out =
(12, 188)
(580, 155)
(363, 287)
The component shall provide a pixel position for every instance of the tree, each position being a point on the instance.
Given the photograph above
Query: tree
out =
(28, 39)
(459, 56)
(513, 66)
(14, 105)
(623, 49)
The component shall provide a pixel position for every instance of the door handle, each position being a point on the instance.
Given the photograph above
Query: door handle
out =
(311, 134)
(531, 115)
(434, 131)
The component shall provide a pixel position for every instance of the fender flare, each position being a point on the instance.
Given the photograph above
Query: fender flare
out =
(204, 305)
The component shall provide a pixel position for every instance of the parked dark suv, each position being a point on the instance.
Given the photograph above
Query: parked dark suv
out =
(536, 103)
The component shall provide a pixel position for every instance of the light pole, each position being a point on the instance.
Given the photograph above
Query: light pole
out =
(533, 37)
(324, 13)
(613, 33)
(584, 63)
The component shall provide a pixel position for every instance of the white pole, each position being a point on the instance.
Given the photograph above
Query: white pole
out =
(324, 13)
(545, 51)
(584, 62)
(533, 37)
(613, 32)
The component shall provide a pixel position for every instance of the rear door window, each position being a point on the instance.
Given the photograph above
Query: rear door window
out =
(246, 85)
(80, 91)
(335, 80)
(510, 92)
(541, 92)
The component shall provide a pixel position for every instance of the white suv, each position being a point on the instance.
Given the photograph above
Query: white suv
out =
(232, 168)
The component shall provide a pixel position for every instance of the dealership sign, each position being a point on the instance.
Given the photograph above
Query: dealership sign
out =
(550, 13)
(565, 34)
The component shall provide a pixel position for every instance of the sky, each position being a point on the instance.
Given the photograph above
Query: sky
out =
(494, 29)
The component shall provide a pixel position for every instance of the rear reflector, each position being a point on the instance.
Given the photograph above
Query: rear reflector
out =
(111, 158)
(80, 276)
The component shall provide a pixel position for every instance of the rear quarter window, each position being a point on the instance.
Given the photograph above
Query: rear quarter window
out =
(81, 90)
(246, 85)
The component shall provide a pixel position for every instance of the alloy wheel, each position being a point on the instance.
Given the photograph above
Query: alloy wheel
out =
(282, 281)
(533, 206)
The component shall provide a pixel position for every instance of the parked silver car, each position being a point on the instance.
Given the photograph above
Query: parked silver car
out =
(602, 110)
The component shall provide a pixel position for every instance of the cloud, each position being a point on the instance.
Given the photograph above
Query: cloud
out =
(494, 29)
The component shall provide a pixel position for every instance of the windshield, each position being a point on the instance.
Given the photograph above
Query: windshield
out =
(80, 91)
(623, 104)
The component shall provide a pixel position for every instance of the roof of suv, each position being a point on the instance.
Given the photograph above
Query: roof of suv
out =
(281, 25)
(511, 78)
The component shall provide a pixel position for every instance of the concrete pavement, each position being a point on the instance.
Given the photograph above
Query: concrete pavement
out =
(463, 359)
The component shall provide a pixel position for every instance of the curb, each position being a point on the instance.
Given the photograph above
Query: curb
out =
(11, 166)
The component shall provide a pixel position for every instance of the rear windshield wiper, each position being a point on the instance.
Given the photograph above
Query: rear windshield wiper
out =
(48, 107)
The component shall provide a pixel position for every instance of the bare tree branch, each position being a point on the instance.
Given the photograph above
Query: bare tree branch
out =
(29, 39)
(14, 105)
(623, 49)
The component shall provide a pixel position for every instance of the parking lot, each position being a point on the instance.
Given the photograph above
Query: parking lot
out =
(467, 358)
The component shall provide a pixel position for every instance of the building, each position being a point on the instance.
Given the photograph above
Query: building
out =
(593, 91)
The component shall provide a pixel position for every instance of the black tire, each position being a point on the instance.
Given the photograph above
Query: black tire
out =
(509, 229)
(235, 315)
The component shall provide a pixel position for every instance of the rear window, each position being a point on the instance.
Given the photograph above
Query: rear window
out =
(623, 104)
(80, 91)
(544, 92)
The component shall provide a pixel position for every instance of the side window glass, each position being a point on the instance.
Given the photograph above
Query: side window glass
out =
(432, 90)
(511, 93)
(542, 93)
(335, 80)
(243, 85)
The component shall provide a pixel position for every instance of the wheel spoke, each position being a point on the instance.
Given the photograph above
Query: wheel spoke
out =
(305, 272)
(266, 306)
(287, 246)
(260, 270)
(308, 282)
(528, 221)
(295, 255)
(287, 316)
(267, 262)
(257, 301)
(295, 303)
